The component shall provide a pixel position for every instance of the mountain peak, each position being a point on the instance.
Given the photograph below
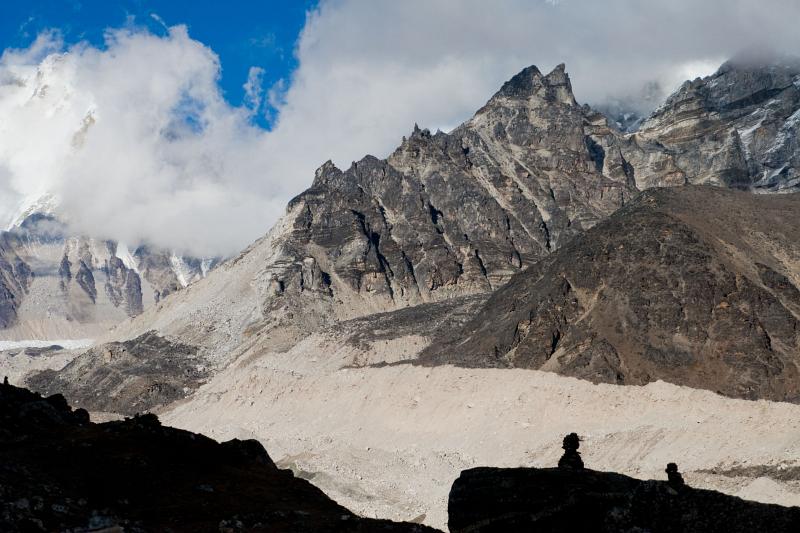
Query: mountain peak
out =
(530, 82)
(559, 70)
(522, 84)
(325, 171)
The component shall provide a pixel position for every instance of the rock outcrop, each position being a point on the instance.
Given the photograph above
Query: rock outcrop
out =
(62, 472)
(450, 214)
(558, 499)
(15, 277)
(458, 213)
(693, 285)
(128, 377)
(445, 215)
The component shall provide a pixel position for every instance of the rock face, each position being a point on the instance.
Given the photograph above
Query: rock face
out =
(446, 215)
(696, 286)
(555, 499)
(61, 472)
(452, 214)
(15, 277)
(737, 128)
(58, 285)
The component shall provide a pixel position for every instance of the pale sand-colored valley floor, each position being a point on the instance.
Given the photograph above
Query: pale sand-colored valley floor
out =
(389, 441)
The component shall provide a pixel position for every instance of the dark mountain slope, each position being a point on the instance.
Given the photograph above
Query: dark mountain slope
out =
(695, 286)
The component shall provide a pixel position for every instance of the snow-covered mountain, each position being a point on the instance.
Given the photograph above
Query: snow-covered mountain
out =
(58, 285)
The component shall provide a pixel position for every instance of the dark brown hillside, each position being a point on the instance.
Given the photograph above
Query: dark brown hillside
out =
(695, 286)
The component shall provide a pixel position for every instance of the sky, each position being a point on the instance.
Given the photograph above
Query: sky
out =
(189, 125)
(245, 35)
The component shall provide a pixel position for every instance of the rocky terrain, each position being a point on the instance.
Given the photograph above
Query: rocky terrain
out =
(696, 286)
(173, 480)
(558, 499)
(62, 472)
(448, 215)
(147, 372)
(55, 285)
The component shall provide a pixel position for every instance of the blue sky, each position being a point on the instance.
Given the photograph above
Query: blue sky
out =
(243, 33)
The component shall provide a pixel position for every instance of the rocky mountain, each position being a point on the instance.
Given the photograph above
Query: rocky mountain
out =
(559, 499)
(451, 214)
(535, 236)
(445, 215)
(696, 286)
(56, 285)
(61, 472)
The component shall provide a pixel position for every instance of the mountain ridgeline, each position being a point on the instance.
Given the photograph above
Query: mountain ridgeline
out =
(449, 214)
(164, 479)
(697, 285)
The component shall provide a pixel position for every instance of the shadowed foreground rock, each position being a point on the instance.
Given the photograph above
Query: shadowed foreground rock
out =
(59, 471)
(558, 499)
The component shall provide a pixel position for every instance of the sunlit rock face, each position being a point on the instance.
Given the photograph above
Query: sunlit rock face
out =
(456, 213)
(738, 128)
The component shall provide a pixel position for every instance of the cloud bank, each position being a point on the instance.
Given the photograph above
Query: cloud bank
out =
(138, 144)
(135, 141)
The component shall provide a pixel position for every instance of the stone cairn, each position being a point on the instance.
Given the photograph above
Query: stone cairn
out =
(674, 478)
(571, 458)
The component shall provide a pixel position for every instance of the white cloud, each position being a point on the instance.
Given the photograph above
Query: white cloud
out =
(136, 141)
(139, 144)
(253, 89)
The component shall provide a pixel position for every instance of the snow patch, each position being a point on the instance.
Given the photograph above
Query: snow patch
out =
(205, 266)
(125, 255)
(786, 135)
(182, 271)
(746, 136)
(43, 203)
